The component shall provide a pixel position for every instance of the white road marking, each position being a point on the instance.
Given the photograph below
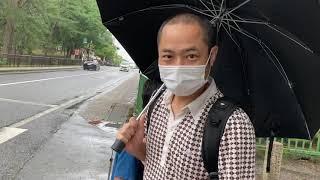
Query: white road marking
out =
(108, 88)
(26, 102)
(47, 79)
(32, 118)
(8, 133)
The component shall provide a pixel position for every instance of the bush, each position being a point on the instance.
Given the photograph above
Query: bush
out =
(3, 61)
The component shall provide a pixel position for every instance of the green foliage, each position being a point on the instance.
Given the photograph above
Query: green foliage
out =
(55, 25)
(3, 61)
(2, 19)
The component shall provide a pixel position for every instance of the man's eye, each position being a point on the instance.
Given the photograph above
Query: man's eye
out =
(192, 57)
(166, 57)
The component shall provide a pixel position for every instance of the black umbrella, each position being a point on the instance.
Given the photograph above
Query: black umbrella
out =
(268, 54)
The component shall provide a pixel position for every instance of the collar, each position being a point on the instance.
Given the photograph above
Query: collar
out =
(196, 105)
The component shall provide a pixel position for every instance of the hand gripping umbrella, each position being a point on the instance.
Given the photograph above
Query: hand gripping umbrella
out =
(268, 56)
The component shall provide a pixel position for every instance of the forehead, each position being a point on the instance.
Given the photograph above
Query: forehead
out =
(181, 34)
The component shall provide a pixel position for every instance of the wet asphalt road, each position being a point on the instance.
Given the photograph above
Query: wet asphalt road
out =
(23, 95)
(34, 105)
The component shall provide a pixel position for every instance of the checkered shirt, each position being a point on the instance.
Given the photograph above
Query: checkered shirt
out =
(184, 161)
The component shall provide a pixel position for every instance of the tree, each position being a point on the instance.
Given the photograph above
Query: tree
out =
(23, 25)
(29, 25)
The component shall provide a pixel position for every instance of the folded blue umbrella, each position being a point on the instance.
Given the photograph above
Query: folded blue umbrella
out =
(126, 167)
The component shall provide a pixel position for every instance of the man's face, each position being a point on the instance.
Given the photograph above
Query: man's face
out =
(183, 44)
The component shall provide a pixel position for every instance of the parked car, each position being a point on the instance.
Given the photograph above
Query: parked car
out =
(91, 65)
(124, 67)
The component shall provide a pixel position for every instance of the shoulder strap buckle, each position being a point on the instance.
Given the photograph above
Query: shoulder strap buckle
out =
(213, 175)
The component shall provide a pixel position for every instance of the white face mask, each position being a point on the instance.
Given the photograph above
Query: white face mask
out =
(183, 80)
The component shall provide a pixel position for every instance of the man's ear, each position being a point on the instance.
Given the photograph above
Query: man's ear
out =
(213, 52)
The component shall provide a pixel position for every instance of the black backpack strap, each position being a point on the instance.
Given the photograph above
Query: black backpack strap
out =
(218, 116)
(152, 105)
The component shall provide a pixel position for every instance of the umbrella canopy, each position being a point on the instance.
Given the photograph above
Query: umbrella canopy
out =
(268, 56)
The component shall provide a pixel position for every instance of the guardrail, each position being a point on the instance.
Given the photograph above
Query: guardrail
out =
(14, 60)
(296, 146)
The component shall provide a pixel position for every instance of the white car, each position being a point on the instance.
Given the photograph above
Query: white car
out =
(124, 68)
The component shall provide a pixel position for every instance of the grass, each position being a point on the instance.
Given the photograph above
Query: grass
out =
(289, 155)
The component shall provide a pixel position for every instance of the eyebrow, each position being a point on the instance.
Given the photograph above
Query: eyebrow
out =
(191, 49)
(167, 50)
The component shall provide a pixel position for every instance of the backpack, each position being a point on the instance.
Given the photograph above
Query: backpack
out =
(218, 116)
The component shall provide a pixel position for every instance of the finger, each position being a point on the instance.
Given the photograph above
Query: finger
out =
(122, 138)
(133, 122)
(122, 135)
(124, 126)
(132, 118)
(131, 131)
(127, 135)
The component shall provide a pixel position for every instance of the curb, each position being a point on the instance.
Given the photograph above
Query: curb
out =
(25, 71)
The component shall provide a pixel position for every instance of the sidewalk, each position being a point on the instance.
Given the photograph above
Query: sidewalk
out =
(80, 150)
(36, 69)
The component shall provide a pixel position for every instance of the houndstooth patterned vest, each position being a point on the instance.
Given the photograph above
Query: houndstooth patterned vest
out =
(184, 160)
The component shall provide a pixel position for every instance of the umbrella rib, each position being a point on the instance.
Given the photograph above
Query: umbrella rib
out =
(270, 25)
(210, 10)
(290, 38)
(207, 8)
(199, 11)
(245, 33)
(247, 21)
(229, 26)
(149, 66)
(221, 8)
(264, 46)
(305, 122)
(237, 7)
(232, 20)
(282, 72)
(236, 16)
(213, 6)
(289, 83)
(159, 7)
(229, 33)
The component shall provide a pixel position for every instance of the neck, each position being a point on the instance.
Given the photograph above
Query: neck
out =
(182, 101)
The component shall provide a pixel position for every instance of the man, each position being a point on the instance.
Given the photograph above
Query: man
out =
(171, 148)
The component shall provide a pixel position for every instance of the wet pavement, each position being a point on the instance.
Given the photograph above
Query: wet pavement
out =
(79, 150)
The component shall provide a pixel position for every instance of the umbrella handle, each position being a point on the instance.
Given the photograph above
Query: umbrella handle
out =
(118, 145)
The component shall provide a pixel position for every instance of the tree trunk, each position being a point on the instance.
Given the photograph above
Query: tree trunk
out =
(69, 52)
(8, 37)
(9, 28)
